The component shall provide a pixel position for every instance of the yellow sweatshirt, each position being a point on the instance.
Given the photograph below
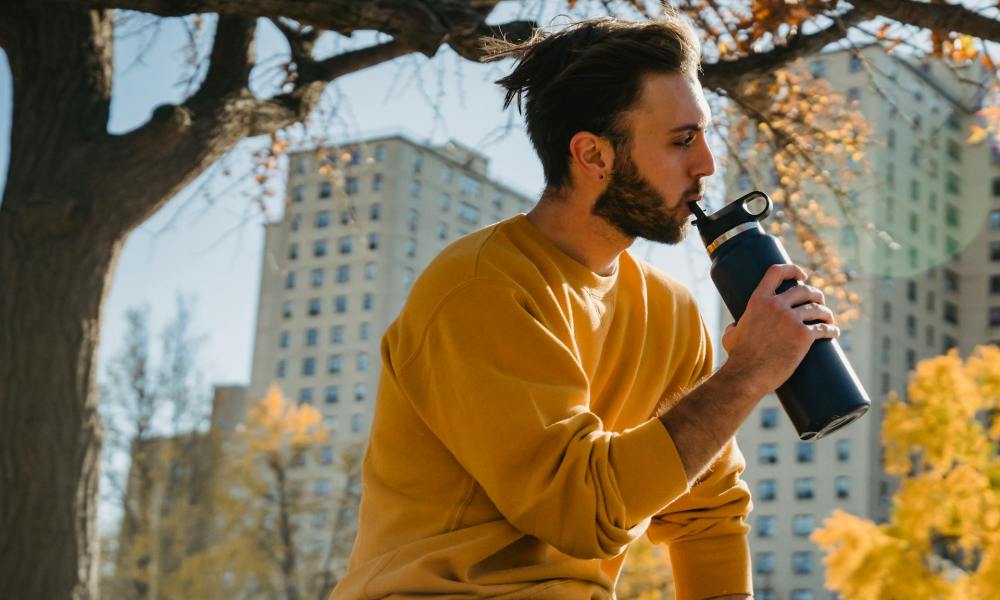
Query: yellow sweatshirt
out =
(512, 451)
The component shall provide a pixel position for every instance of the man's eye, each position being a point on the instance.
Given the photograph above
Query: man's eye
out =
(686, 141)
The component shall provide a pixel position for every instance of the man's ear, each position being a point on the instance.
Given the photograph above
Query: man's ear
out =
(591, 155)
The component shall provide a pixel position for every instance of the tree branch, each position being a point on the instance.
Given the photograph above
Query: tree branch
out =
(942, 17)
(231, 60)
(727, 75)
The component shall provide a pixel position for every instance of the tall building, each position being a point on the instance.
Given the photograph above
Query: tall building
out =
(937, 287)
(362, 221)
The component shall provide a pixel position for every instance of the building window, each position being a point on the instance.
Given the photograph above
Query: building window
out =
(767, 526)
(498, 198)
(325, 190)
(376, 211)
(768, 453)
(373, 241)
(284, 339)
(309, 366)
(843, 450)
(333, 363)
(314, 307)
(364, 330)
(337, 334)
(371, 271)
(447, 175)
(884, 383)
(340, 304)
(767, 489)
(296, 222)
(950, 280)
(764, 594)
(367, 301)
(763, 563)
(319, 248)
(312, 336)
(380, 153)
(995, 251)
(326, 455)
(929, 339)
(293, 251)
(415, 189)
(346, 215)
(343, 273)
(953, 184)
(281, 369)
(411, 219)
(376, 182)
(445, 202)
(803, 525)
(442, 231)
(468, 213)
(322, 219)
(951, 313)
(886, 350)
(995, 284)
(853, 94)
(887, 311)
(994, 316)
(854, 65)
(357, 423)
(346, 245)
(805, 488)
(948, 343)
(332, 394)
(286, 310)
(322, 488)
(911, 326)
(411, 248)
(305, 396)
(300, 164)
(769, 418)
(996, 186)
(316, 278)
(954, 151)
(802, 564)
(351, 185)
(802, 595)
(842, 487)
(471, 186)
(911, 291)
(362, 361)
(407, 278)
(951, 215)
(911, 360)
(298, 193)
(805, 452)
(290, 280)
(360, 392)
(818, 69)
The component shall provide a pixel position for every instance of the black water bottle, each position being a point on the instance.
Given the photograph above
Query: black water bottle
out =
(823, 394)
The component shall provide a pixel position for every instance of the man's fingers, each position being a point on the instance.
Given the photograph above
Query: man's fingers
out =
(824, 331)
(802, 294)
(814, 312)
(775, 275)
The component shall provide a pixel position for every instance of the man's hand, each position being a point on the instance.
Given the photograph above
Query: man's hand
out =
(772, 337)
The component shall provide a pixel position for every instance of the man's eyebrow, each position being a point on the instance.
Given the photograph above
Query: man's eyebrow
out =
(690, 127)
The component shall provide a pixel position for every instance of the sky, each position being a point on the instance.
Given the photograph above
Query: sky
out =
(206, 243)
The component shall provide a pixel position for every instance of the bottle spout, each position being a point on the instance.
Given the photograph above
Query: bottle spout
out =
(696, 210)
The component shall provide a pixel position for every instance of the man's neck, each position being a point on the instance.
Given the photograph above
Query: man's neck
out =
(588, 239)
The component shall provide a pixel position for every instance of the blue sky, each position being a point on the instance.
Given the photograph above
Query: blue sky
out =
(206, 243)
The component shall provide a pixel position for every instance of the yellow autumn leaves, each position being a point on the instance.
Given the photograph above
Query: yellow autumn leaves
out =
(943, 537)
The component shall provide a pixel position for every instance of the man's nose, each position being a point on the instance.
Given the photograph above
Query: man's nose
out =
(704, 161)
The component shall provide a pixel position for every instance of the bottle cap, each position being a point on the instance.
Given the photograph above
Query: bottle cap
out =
(737, 215)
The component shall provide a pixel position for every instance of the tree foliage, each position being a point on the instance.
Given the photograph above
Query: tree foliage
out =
(943, 538)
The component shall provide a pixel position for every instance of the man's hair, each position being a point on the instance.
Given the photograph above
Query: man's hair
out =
(586, 76)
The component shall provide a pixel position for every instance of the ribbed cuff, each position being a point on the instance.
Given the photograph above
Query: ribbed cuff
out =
(710, 567)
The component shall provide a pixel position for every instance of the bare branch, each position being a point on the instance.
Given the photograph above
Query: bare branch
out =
(729, 74)
(941, 17)
(231, 61)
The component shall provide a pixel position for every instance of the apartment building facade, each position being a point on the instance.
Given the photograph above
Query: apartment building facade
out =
(362, 220)
(931, 284)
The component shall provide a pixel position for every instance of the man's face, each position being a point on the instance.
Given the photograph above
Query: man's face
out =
(660, 168)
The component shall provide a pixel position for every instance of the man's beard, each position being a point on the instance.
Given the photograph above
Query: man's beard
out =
(630, 204)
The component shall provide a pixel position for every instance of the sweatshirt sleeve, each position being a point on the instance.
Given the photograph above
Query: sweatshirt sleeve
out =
(706, 528)
(511, 402)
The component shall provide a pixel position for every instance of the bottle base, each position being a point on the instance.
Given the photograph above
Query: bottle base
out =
(835, 424)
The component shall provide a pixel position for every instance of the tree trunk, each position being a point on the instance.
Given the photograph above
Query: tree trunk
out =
(50, 433)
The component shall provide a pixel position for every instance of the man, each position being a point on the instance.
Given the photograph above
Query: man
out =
(546, 397)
